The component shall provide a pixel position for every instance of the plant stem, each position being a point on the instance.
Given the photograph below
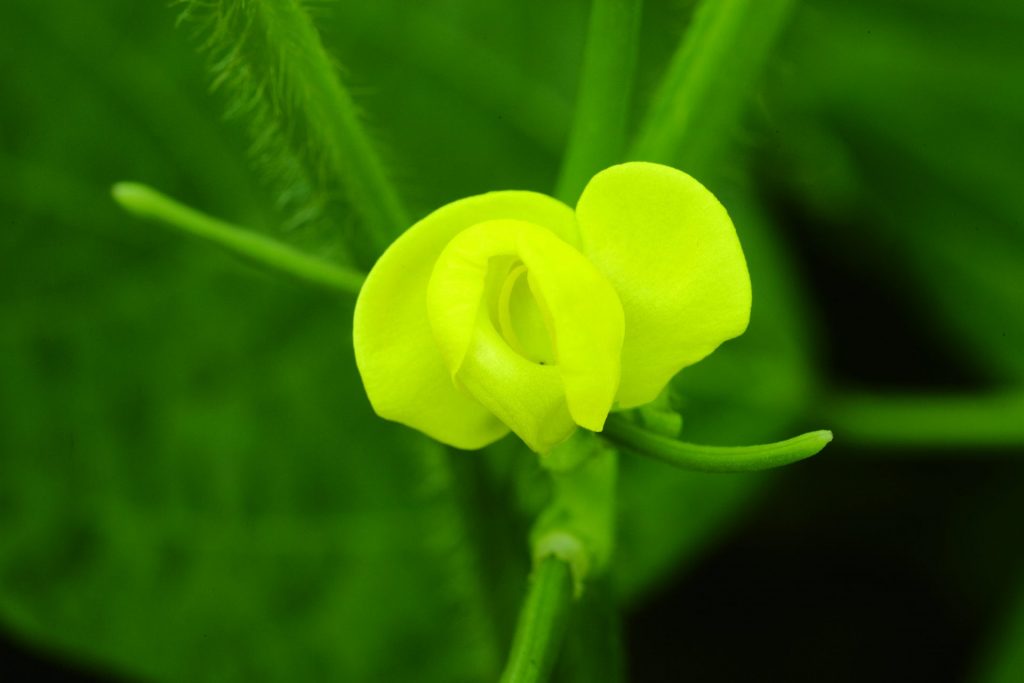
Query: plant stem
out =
(270, 54)
(699, 100)
(691, 456)
(571, 543)
(148, 203)
(950, 421)
(597, 137)
(542, 623)
(352, 156)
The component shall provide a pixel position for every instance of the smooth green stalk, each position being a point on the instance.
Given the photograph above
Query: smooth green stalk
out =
(571, 544)
(597, 137)
(947, 421)
(578, 524)
(689, 456)
(148, 203)
(701, 97)
(542, 623)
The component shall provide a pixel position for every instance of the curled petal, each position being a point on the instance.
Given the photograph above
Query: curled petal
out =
(527, 397)
(545, 364)
(671, 252)
(405, 376)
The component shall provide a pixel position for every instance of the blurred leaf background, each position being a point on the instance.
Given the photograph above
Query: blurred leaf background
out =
(193, 486)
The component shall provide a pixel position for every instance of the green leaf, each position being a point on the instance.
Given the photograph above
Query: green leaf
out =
(222, 502)
(194, 487)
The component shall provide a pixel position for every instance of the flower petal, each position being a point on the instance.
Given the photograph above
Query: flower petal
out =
(528, 397)
(403, 372)
(588, 327)
(542, 403)
(670, 250)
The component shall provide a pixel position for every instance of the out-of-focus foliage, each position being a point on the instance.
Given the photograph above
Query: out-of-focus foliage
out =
(1005, 662)
(902, 121)
(192, 484)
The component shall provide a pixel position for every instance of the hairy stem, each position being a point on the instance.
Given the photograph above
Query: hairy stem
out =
(699, 100)
(148, 203)
(691, 456)
(597, 137)
(351, 154)
(305, 126)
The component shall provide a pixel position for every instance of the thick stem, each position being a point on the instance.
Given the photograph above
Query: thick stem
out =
(571, 545)
(597, 138)
(542, 623)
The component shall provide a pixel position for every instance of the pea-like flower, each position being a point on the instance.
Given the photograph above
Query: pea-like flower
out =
(509, 311)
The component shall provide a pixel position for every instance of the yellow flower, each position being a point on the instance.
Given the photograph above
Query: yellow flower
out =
(509, 311)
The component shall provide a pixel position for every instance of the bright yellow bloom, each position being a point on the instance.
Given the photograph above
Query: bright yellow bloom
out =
(509, 311)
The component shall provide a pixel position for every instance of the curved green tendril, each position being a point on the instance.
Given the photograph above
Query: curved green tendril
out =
(542, 623)
(691, 456)
(148, 203)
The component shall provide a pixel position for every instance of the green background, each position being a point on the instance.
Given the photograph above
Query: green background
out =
(193, 486)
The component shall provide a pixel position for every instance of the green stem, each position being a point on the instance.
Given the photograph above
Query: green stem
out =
(148, 203)
(691, 456)
(542, 623)
(597, 137)
(272, 51)
(571, 543)
(352, 155)
(951, 421)
(701, 97)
